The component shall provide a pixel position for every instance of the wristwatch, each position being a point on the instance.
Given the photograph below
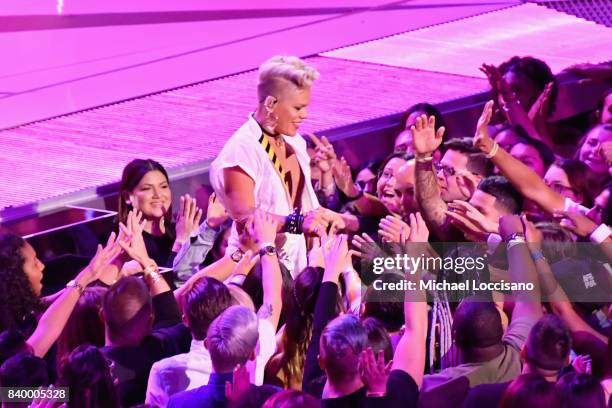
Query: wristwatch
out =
(267, 250)
(237, 255)
(74, 284)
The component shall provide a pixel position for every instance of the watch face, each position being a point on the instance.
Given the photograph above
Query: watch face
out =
(237, 255)
(268, 250)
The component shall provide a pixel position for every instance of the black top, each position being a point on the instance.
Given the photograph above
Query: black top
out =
(402, 390)
(159, 248)
(485, 395)
(131, 365)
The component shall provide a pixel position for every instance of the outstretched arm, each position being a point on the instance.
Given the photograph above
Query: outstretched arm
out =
(526, 181)
(433, 208)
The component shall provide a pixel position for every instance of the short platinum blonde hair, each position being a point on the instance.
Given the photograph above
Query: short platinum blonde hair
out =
(342, 340)
(278, 70)
(232, 338)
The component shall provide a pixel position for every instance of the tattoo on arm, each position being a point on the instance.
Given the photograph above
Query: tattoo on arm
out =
(428, 196)
(265, 311)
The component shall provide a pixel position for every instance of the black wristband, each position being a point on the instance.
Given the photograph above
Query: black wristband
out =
(293, 222)
(357, 197)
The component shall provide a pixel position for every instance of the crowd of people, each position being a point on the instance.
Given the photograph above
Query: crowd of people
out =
(269, 302)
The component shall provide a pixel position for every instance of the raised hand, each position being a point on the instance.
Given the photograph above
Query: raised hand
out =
(188, 218)
(482, 139)
(391, 228)
(373, 372)
(263, 228)
(467, 218)
(216, 214)
(315, 222)
(246, 264)
(539, 112)
(426, 139)
(336, 257)
(325, 156)
(582, 364)
(576, 222)
(102, 259)
(418, 229)
(237, 391)
(344, 179)
(510, 224)
(135, 246)
(496, 80)
(533, 236)
(366, 248)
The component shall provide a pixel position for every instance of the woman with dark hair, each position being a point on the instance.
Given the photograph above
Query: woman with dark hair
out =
(286, 368)
(88, 376)
(590, 153)
(84, 325)
(530, 391)
(20, 284)
(568, 177)
(580, 390)
(367, 175)
(416, 110)
(145, 187)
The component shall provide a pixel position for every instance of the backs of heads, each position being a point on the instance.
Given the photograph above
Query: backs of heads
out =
(299, 303)
(204, 301)
(12, 342)
(477, 325)
(133, 172)
(292, 399)
(127, 311)
(477, 161)
(508, 198)
(557, 243)
(10, 258)
(24, 370)
(232, 337)
(87, 374)
(84, 325)
(341, 342)
(378, 338)
(548, 344)
(386, 307)
(580, 390)
(279, 70)
(532, 68)
(530, 391)
(252, 283)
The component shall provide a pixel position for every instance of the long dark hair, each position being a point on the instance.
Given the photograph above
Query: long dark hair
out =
(577, 175)
(133, 172)
(536, 70)
(87, 373)
(18, 301)
(84, 325)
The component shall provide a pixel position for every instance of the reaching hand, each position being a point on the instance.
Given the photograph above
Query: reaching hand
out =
(344, 179)
(533, 236)
(426, 139)
(188, 218)
(367, 248)
(391, 228)
(482, 139)
(315, 222)
(263, 228)
(510, 224)
(498, 84)
(237, 392)
(325, 156)
(246, 264)
(102, 259)
(418, 229)
(216, 213)
(582, 364)
(540, 110)
(336, 257)
(468, 219)
(576, 222)
(374, 373)
(135, 246)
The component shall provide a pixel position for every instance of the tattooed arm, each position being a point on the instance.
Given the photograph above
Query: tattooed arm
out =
(433, 208)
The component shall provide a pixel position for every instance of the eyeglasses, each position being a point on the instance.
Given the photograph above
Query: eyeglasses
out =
(561, 189)
(451, 171)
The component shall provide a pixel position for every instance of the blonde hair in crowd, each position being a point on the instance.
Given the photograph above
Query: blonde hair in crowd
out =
(278, 70)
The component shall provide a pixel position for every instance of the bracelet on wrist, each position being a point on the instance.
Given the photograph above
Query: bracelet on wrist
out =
(355, 198)
(152, 271)
(74, 284)
(378, 394)
(600, 234)
(537, 256)
(493, 151)
(294, 221)
(425, 158)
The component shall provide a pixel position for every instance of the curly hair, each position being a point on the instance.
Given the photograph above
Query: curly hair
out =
(17, 298)
(536, 70)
